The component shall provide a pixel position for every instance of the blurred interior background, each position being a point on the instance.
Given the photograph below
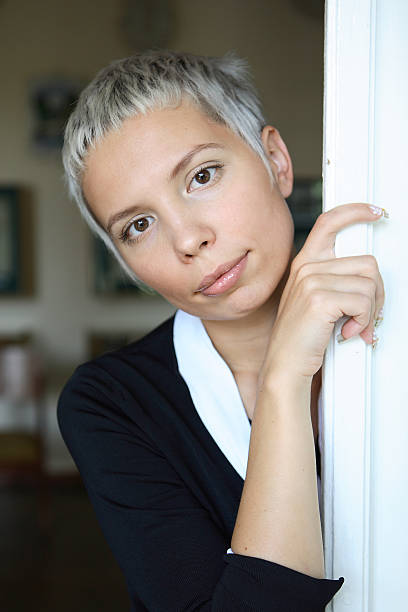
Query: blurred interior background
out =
(63, 300)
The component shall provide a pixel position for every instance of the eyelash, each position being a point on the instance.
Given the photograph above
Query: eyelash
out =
(124, 235)
(218, 166)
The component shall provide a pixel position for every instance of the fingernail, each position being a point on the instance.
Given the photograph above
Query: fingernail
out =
(341, 339)
(375, 340)
(380, 212)
(379, 318)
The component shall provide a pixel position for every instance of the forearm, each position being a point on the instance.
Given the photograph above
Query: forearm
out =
(278, 517)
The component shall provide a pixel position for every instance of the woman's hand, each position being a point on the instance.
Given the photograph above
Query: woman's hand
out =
(321, 289)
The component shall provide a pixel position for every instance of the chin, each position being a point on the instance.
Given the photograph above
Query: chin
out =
(250, 299)
(240, 303)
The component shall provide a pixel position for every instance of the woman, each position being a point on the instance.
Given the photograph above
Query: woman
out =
(171, 163)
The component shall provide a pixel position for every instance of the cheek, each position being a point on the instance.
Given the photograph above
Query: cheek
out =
(254, 211)
(150, 271)
(265, 219)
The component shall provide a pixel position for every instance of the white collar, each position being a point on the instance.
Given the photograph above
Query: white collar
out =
(213, 389)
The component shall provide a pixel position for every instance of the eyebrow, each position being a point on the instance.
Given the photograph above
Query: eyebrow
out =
(184, 161)
(189, 156)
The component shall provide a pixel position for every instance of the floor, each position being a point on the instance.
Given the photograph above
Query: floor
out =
(70, 570)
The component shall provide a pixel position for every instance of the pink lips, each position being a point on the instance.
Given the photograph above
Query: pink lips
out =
(224, 277)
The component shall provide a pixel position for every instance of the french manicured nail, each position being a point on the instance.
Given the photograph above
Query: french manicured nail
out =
(375, 340)
(379, 318)
(381, 212)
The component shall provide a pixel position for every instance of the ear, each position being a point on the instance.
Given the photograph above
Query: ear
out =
(279, 159)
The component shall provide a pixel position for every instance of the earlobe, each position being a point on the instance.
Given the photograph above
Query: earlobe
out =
(279, 159)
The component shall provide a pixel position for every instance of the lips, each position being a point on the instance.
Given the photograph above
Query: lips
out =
(208, 280)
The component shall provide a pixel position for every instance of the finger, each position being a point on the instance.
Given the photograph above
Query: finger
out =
(379, 300)
(319, 244)
(369, 335)
(345, 283)
(358, 266)
(359, 287)
(351, 329)
(359, 307)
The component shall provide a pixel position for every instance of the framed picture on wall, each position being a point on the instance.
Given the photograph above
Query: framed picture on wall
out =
(108, 276)
(305, 204)
(10, 263)
(52, 100)
(16, 242)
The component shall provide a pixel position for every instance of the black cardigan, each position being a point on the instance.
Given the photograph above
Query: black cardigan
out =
(165, 495)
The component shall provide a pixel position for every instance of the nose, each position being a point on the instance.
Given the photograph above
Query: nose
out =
(191, 236)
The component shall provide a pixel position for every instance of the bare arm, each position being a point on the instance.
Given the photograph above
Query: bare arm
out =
(278, 518)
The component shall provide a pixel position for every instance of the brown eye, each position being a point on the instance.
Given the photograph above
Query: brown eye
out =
(141, 224)
(203, 176)
(135, 229)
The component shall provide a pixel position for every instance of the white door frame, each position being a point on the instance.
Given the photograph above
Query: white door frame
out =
(364, 160)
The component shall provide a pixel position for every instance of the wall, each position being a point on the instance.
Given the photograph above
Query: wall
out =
(75, 39)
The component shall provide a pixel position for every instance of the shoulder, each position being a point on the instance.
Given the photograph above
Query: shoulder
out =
(155, 347)
(125, 380)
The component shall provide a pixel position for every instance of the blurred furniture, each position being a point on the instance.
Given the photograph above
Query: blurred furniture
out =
(22, 441)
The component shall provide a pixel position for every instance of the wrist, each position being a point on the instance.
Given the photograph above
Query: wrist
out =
(287, 397)
(277, 379)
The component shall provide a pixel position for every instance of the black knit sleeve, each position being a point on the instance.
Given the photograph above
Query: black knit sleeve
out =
(171, 552)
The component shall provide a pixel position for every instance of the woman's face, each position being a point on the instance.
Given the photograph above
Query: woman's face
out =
(190, 195)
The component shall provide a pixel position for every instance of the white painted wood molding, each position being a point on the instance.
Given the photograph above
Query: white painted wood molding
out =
(364, 394)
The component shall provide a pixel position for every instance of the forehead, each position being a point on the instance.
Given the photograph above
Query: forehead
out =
(148, 146)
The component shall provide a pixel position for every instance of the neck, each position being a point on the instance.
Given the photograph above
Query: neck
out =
(243, 343)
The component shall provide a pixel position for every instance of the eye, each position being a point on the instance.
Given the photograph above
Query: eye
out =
(139, 225)
(204, 176)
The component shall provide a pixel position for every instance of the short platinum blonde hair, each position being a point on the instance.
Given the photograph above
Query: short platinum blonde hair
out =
(219, 86)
